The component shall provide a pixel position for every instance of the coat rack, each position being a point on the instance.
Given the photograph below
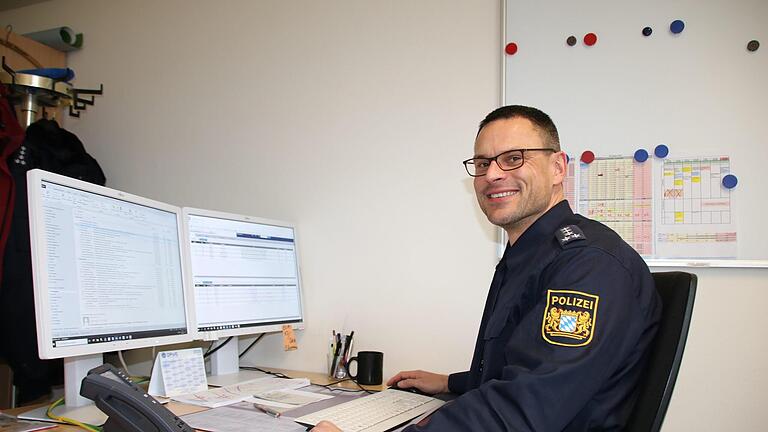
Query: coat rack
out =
(33, 92)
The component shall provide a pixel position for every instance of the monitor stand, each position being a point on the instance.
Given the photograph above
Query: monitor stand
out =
(75, 406)
(225, 366)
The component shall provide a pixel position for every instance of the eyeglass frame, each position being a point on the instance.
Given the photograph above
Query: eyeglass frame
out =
(495, 159)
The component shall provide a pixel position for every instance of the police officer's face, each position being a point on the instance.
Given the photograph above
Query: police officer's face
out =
(517, 198)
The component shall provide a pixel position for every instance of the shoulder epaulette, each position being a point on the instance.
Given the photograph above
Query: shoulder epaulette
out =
(568, 234)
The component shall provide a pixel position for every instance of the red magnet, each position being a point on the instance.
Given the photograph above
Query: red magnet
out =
(587, 157)
(590, 39)
(511, 48)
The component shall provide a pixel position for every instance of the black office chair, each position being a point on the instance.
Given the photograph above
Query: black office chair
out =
(677, 291)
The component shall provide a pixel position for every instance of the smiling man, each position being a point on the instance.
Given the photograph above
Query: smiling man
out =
(571, 310)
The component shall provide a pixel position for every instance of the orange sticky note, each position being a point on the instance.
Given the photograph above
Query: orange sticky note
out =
(289, 339)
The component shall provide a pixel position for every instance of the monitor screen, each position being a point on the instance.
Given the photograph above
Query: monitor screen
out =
(244, 272)
(107, 268)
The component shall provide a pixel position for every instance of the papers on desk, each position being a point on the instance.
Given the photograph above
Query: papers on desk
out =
(240, 417)
(235, 393)
(290, 398)
(244, 416)
(10, 423)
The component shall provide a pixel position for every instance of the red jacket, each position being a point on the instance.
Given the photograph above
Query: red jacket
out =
(11, 137)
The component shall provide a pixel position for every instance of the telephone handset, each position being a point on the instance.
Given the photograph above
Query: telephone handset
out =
(129, 408)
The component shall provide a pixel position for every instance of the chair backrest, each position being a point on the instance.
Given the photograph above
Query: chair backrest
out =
(677, 291)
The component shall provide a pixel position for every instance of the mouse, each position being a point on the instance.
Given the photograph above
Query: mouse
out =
(409, 389)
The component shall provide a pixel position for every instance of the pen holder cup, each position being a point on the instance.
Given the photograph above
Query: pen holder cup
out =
(336, 368)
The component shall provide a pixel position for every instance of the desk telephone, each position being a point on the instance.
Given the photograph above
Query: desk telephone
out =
(130, 409)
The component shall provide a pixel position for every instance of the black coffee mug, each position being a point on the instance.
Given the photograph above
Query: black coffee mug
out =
(369, 367)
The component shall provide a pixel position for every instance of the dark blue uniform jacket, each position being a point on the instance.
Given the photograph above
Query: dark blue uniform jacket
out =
(569, 318)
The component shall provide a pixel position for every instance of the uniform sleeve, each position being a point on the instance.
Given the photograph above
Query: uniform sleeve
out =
(546, 379)
(457, 382)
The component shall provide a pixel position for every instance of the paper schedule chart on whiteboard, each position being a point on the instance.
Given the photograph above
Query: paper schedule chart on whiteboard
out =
(617, 192)
(674, 208)
(694, 211)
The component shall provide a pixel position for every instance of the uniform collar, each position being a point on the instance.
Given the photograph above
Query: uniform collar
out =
(541, 231)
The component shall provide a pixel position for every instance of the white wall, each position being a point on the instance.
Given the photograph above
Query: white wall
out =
(350, 118)
(722, 381)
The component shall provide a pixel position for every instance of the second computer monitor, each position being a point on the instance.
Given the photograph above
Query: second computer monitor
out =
(244, 272)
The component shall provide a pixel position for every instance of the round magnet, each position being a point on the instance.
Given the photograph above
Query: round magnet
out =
(661, 151)
(647, 31)
(587, 157)
(571, 41)
(753, 45)
(677, 26)
(641, 155)
(511, 48)
(730, 181)
(590, 39)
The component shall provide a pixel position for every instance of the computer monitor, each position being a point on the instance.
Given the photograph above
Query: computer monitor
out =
(108, 275)
(245, 275)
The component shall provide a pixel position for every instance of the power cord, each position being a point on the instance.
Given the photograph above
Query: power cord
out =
(275, 374)
(327, 386)
(251, 345)
(211, 351)
(361, 387)
(86, 426)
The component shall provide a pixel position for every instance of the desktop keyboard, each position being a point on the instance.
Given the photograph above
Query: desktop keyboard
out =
(378, 412)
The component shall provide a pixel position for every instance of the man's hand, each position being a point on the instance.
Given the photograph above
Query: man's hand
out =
(325, 426)
(427, 382)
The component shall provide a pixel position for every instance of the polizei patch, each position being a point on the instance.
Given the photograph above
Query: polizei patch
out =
(569, 318)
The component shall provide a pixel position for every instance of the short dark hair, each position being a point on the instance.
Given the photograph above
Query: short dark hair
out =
(540, 119)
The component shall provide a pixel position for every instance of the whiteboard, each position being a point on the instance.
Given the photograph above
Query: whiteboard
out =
(701, 92)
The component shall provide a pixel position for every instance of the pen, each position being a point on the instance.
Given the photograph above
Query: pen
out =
(347, 340)
(336, 354)
(349, 351)
(331, 351)
(267, 410)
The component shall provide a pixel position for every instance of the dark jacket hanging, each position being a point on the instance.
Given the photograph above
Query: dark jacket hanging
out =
(49, 147)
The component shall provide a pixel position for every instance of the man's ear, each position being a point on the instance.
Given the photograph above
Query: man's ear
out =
(559, 167)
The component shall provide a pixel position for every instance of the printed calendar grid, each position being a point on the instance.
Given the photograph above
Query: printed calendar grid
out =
(618, 192)
(692, 191)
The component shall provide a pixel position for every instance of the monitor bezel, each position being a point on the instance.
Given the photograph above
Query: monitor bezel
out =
(250, 330)
(38, 244)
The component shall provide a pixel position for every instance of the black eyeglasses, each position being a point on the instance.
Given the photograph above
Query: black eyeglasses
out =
(507, 161)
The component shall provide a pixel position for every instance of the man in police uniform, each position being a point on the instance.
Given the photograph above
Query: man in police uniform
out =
(571, 311)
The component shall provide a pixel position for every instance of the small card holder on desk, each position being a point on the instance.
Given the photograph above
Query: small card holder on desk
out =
(178, 372)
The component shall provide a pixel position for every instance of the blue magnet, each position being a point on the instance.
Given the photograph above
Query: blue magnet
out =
(647, 31)
(567, 158)
(661, 151)
(641, 155)
(677, 26)
(730, 181)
